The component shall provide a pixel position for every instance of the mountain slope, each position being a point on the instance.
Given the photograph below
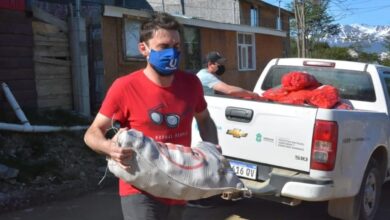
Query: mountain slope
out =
(369, 38)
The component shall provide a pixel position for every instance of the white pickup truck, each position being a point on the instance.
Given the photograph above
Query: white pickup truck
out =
(293, 153)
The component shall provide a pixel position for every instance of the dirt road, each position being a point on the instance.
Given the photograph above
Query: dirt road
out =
(104, 205)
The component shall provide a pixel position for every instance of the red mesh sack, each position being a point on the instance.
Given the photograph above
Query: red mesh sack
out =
(294, 81)
(324, 97)
(296, 97)
(275, 94)
(343, 105)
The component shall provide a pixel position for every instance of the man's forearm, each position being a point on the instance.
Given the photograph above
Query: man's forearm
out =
(96, 141)
(240, 92)
(208, 131)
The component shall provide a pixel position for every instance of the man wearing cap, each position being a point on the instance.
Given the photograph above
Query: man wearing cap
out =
(209, 76)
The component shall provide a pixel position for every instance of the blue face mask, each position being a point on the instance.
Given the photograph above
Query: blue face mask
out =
(165, 61)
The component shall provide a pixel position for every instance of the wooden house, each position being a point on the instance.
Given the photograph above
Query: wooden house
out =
(34, 57)
(36, 61)
(247, 48)
(16, 53)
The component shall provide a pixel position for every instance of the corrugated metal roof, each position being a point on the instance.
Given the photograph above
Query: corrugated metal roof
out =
(112, 11)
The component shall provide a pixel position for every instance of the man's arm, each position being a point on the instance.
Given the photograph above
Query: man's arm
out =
(96, 140)
(233, 90)
(207, 128)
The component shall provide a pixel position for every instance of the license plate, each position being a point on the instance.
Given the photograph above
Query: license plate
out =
(244, 169)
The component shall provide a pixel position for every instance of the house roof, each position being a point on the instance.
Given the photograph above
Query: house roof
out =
(113, 11)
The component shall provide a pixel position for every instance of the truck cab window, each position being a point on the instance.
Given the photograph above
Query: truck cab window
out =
(355, 85)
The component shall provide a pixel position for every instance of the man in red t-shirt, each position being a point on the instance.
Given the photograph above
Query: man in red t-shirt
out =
(160, 101)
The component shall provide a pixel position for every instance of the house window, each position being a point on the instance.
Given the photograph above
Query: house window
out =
(254, 17)
(246, 51)
(131, 39)
(192, 49)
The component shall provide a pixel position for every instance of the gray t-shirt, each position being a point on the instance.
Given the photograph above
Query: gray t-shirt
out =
(208, 81)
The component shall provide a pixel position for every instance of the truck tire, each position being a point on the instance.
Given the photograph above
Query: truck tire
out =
(365, 204)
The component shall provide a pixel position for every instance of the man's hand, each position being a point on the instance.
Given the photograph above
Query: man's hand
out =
(122, 155)
(255, 95)
(95, 139)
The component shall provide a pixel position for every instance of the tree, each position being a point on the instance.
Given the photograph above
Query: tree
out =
(368, 57)
(299, 9)
(324, 51)
(386, 61)
(387, 43)
(312, 22)
(337, 53)
(319, 23)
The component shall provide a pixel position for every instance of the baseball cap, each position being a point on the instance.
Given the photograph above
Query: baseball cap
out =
(215, 56)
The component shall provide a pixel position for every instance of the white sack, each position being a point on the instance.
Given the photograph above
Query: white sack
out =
(174, 171)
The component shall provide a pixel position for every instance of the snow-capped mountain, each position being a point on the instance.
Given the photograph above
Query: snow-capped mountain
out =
(369, 38)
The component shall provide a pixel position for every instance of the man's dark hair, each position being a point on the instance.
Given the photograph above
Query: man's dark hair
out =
(158, 20)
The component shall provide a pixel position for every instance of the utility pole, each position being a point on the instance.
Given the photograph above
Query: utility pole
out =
(279, 21)
(299, 7)
(163, 5)
(183, 10)
(78, 48)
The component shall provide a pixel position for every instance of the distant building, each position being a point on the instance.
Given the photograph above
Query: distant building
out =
(384, 56)
(353, 53)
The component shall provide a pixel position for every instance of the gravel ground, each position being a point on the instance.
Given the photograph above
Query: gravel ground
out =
(42, 167)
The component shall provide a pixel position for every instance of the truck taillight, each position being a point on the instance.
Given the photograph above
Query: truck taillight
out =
(324, 146)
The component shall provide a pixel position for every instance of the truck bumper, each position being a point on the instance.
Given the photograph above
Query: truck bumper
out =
(290, 186)
(307, 191)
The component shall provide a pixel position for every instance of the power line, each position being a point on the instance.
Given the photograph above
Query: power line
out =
(345, 5)
(341, 9)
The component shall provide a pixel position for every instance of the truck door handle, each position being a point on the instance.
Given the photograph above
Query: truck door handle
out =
(238, 114)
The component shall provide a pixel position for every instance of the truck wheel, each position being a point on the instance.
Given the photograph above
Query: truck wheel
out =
(364, 205)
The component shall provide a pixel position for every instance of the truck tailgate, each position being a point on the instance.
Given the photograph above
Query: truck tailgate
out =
(276, 134)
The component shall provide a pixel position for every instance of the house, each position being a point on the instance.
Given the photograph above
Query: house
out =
(247, 47)
(36, 56)
(244, 12)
